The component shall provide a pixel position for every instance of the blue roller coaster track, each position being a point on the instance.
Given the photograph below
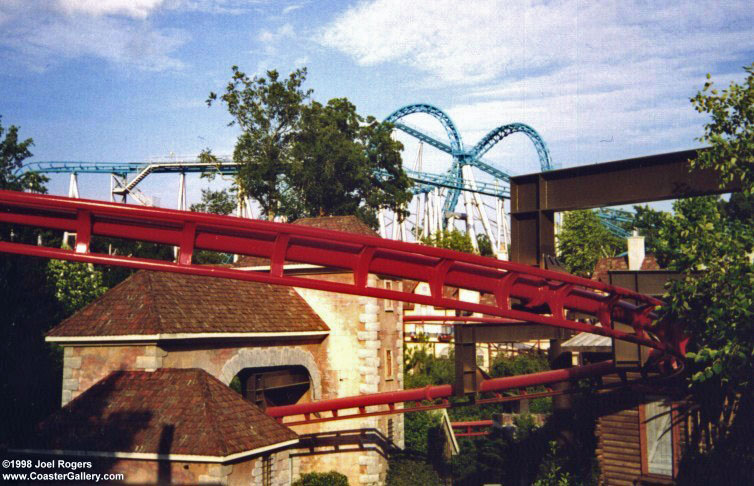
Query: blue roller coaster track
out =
(461, 156)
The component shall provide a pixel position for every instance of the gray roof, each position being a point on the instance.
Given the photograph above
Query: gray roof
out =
(588, 342)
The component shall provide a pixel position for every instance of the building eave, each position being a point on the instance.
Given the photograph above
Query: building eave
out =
(139, 338)
(154, 456)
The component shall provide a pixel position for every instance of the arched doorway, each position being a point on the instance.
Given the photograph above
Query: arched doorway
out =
(272, 386)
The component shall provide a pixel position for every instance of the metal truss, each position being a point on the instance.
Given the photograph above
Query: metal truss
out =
(462, 157)
(521, 293)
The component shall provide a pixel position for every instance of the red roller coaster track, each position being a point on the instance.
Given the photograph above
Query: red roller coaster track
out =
(531, 288)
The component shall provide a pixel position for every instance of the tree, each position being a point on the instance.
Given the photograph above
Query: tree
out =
(714, 243)
(583, 240)
(451, 240)
(215, 202)
(302, 158)
(344, 164)
(31, 369)
(12, 154)
(730, 132)
(267, 110)
(75, 284)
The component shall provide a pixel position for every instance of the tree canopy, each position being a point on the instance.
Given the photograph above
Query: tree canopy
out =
(583, 240)
(299, 157)
(712, 243)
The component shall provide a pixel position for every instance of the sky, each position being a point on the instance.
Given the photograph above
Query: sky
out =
(127, 80)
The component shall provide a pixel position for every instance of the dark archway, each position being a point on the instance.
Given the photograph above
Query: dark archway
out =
(274, 385)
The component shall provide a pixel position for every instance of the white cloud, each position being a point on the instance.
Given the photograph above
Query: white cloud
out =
(130, 8)
(578, 72)
(38, 37)
(292, 8)
(271, 39)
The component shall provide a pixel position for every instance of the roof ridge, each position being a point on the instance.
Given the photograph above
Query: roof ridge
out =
(210, 415)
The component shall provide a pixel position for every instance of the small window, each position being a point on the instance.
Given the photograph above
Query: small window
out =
(388, 364)
(389, 304)
(267, 471)
(657, 435)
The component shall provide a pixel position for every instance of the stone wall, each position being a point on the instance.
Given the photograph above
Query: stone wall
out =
(247, 472)
(363, 330)
(83, 366)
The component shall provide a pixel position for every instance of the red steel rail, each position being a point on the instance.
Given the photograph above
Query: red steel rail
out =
(281, 243)
(471, 428)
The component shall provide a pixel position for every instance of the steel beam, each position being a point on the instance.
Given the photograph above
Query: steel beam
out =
(536, 197)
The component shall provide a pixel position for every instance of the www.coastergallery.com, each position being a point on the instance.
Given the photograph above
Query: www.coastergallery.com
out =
(66, 476)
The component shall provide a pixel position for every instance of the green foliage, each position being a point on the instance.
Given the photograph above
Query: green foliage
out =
(337, 154)
(267, 110)
(583, 240)
(485, 246)
(713, 243)
(215, 202)
(551, 471)
(417, 426)
(31, 368)
(451, 240)
(730, 131)
(408, 470)
(75, 284)
(301, 158)
(521, 364)
(331, 478)
(12, 155)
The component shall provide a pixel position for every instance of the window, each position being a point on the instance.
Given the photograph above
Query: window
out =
(657, 438)
(388, 364)
(267, 471)
(389, 304)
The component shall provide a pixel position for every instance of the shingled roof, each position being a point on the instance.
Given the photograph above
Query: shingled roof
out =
(346, 224)
(160, 305)
(604, 265)
(180, 414)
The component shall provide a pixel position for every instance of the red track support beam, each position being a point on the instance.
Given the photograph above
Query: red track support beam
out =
(362, 255)
(430, 393)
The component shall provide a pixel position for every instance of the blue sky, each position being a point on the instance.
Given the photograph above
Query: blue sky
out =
(118, 80)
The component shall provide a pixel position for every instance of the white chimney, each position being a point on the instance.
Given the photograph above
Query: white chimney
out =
(635, 251)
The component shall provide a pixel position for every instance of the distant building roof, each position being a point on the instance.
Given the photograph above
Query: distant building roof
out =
(604, 265)
(180, 414)
(161, 305)
(586, 342)
(346, 224)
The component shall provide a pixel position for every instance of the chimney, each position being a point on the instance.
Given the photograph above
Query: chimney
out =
(635, 251)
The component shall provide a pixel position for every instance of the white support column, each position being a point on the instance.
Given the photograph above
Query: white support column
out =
(182, 206)
(381, 222)
(73, 191)
(181, 203)
(469, 211)
(395, 227)
(482, 212)
(73, 186)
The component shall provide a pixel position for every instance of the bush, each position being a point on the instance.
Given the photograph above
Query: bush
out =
(331, 478)
(408, 470)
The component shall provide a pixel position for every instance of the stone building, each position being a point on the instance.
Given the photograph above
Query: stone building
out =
(279, 345)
